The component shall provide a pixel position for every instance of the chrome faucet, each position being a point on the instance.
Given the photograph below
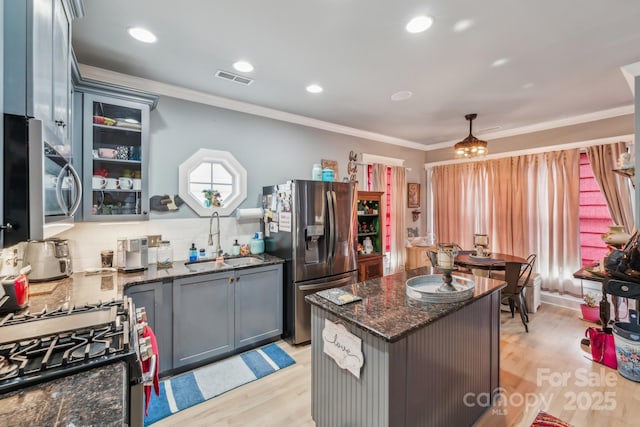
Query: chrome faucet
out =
(218, 249)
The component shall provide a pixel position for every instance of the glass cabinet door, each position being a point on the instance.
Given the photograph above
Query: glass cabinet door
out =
(115, 159)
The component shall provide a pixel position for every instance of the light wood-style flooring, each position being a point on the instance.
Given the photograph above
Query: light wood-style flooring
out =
(545, 369)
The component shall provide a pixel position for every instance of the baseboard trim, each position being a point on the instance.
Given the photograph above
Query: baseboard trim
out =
(566, 301)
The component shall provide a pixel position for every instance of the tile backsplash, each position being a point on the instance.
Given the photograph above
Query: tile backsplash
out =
(87, 239)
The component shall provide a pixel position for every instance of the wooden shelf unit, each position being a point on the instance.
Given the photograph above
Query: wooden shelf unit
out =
(370, 224)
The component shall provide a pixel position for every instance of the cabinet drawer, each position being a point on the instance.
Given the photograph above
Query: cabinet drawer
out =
(369, 268)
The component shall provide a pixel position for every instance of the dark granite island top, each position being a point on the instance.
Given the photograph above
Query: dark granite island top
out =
(385, 310)
(421, 362)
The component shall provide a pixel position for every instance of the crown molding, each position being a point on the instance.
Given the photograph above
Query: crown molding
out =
(569, 121)
(94, 73)
(147, 85)
(628, 139)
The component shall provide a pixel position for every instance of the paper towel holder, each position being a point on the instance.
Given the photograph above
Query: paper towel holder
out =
(249, 214)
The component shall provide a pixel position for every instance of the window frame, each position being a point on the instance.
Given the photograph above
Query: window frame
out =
(227, 161)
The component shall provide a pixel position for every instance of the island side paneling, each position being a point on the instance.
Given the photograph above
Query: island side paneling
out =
(419, 380)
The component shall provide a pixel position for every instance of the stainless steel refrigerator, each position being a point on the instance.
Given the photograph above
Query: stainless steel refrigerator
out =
(309, 224)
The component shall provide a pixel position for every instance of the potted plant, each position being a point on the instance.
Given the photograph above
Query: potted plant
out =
(591, 307)
(212, 198)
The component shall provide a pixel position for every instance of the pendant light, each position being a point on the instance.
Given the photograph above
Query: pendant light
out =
(471, 146)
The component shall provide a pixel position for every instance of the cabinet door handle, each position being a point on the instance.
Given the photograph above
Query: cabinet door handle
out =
(60, 123)
(230, 279)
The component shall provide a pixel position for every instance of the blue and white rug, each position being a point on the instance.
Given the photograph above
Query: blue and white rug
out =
(191, 388)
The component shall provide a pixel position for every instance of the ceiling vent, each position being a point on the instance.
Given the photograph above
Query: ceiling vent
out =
(225, 75)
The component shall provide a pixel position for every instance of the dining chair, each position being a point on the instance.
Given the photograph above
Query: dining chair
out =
(525, 276)
(433, 257)
(513, 294)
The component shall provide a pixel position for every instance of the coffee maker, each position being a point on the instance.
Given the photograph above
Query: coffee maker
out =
(132, 254)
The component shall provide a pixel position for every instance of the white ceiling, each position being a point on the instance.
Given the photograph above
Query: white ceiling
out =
(564, 58)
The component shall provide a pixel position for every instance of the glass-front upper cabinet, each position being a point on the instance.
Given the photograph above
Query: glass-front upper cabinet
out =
(116, 153)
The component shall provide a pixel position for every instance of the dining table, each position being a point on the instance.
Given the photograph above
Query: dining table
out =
(483, 265)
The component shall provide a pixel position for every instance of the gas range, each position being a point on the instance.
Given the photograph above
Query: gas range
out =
(41, 346)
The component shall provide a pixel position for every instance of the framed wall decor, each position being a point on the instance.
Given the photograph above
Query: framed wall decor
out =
(413, 195)
(331, 164)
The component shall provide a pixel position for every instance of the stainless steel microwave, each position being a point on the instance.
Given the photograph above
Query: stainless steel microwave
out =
(41, 189)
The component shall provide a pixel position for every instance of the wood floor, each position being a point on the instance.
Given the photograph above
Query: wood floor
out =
(545, 369)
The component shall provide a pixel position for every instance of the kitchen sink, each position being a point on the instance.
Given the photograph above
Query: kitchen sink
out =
(198, 267)
(242, 261)
(211, 265)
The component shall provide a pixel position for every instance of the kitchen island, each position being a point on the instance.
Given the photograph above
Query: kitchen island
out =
(425, 364)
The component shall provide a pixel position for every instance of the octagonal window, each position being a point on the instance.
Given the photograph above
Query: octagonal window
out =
(212, 180)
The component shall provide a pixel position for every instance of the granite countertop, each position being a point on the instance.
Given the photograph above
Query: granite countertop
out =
(96, 394)
(385, 310)
(94, 397)
(81, 289)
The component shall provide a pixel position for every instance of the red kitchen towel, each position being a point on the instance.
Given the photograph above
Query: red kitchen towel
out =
(146, 367)
(547, 420)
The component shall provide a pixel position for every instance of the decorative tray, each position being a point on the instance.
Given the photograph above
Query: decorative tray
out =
(595, 271)
(480, 257)
(338, 296)
(428, 288)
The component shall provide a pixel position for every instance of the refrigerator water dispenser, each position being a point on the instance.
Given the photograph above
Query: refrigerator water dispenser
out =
(313, 233)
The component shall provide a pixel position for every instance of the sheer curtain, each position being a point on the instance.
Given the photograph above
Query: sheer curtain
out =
(615, 187)
(398, 199)
(379, 183)
(526, 204)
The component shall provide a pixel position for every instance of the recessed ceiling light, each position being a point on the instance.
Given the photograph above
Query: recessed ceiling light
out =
(500, 62)
(462, 25)
(142, 35)
(243, 66)
(401, 95)
(527, 85)
(314, 88)
(419, 24)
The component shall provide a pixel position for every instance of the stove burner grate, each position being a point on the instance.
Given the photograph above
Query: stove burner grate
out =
(6, 367)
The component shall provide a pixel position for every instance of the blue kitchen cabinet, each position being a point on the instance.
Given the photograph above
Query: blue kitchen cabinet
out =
(115, 136)
(202, 318)
(157, 299)
(203, 312)
(37, 51)
(258, 305)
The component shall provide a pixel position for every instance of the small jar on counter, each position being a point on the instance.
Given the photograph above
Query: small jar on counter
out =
(316, 172)
(256, 246)
(235, 249)
(165, 255)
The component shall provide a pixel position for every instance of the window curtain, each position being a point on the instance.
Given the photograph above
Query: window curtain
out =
(398, 199)
(615, 187)
(526, 204)
(379, 183)
(379, 177)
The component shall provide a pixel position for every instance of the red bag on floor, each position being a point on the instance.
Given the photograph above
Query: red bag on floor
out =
(603, 349)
